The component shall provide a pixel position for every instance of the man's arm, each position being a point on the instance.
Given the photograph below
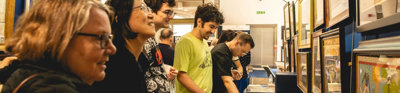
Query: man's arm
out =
(186, 81)
(239, 69)
(230, 86)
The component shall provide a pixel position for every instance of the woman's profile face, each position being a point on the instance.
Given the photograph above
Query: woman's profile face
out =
(141, 19)
(85, 55)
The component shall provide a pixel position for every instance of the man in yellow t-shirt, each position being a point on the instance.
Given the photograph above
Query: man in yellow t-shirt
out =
(192, 54)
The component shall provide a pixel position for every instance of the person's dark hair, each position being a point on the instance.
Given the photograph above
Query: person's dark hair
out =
(166, 33)
(155, 5)
(120, 26)
(246, 39)
(226, 36)
(208, 12)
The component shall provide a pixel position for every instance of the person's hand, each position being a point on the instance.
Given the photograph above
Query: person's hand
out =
(236, 75)
(172, 73)
(6, 61)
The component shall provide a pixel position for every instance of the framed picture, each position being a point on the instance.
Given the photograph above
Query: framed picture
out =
(302, 58)
(316, 63)
(318, 12)
(8, 27)
(296, 14)
(330, 49)
(286, 57)
(374, 14)
(287, 22)
(292, 58)
(292, 19)
(378, 66)
(338, 10)
(304, 24)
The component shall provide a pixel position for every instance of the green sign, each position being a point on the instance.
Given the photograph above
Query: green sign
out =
(260, 12)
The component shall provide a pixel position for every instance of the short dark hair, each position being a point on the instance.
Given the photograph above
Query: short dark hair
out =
(226, 36)
(166, 33)
(155, 5)
(120, 26)
(208, 12)
(246, 39)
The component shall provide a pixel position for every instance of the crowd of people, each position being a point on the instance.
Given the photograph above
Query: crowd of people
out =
(82, 46)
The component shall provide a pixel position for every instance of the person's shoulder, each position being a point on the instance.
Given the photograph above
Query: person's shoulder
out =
(47, 82)
(219, 48)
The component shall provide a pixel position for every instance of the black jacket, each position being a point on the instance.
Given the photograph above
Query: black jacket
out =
(51, 78)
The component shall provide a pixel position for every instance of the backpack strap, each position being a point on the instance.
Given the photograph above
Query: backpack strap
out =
(24, 81)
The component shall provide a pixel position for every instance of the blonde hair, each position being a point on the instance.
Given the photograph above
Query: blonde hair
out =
(45, 31)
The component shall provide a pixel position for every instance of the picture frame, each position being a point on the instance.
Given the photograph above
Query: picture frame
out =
(304, 35)
(337, 11)
(330, 49)
(316, 86)
(292, 19)
(319, 12)
(286, 56)
(302, 60)
(373, 14)
(297, 15)
(292, 58)
(287, 22)
(377, 65)
(8, 23)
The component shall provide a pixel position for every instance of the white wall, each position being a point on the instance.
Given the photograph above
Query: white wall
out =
(243, 12)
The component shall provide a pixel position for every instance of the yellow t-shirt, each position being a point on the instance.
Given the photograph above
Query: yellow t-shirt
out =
(193, 57)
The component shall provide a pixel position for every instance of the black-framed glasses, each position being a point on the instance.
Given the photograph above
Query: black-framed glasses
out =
(104, 38)
(144, 8)
(169, 13)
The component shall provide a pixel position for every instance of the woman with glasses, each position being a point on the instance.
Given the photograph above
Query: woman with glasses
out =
(132, 26)
(61, 45)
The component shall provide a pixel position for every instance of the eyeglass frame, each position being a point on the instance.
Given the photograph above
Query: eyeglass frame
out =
(144, 8)
(104, 38)
(169, 13)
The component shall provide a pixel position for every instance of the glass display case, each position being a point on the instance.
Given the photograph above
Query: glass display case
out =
(304, 26)
(330, 50)
(302, 58)
(318, 12)
(337, 10)
(378, 66)
(316, 63)
(374, 14)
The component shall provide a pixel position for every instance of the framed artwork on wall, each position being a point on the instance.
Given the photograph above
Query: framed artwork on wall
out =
(378, 66)
(302, 58)
(316, 63)
(287, 22)
(8, 26)
(304, 24)
(337, 10)
(292, 19)
(319, 12)
(374, 14)
(330, 49)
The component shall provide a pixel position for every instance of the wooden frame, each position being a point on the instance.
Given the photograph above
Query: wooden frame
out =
(304, 25)
(377, 65)
(292, 58)
(9, 22)
(292, 19)
(373, 14)
(287, 21)
(337, 11)
(302, 60)
(330, 49)
(319, 12)
(316, 86)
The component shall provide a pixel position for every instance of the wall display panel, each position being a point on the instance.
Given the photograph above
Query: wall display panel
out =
(302, 71)
(319, 12)
(305, 27)
(338, 10)
(316, 63)
(331, 63)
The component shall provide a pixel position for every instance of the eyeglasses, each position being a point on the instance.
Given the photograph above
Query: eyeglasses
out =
(104, 38)
(169, 13)
(144, 8)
